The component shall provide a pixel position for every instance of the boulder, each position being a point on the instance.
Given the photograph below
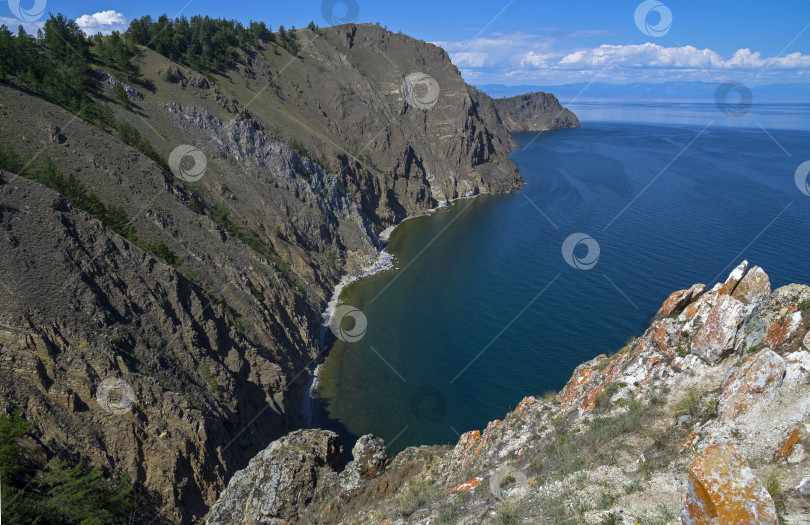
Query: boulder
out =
(370, 458)
(734, 278)
(757, 376)
(679, 300)
(722, 489)
(714, 339)
(754, 287)
(280, 481)
(781, 329)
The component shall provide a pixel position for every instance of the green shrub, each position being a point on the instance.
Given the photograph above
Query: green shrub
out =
(299, 147)
(613, 518)
(12, 427)
(660, 516)
(130, 136)
(160, 249)
(121, 96)
(64, 492)
(687, 403)
(47, 174)
(510, 512)
(773, 484)
(419, 494)
(80, 496)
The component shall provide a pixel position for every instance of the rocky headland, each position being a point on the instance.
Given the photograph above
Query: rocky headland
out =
(534, 112)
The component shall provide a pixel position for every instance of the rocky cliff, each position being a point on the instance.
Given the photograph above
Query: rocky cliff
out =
(702, 419)
(178, 374)
(534, 112)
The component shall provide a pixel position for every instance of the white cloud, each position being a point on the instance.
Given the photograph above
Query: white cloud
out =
(527, 56)
(684, 57)
(496, 50)
(104, 22)
(13, 23)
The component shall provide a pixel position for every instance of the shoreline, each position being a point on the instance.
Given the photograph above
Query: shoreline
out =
(384, 262)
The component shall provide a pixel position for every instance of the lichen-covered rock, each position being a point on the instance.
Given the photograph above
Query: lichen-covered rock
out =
(715, 338)
(679, 300)
(782, 329)
(758, 375)
(279, 481)
(722, 489)
(467, 486)
(754, 287)
(369, 461)
(734, 278)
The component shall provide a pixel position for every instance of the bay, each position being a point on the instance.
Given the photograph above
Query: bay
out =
(483, 309)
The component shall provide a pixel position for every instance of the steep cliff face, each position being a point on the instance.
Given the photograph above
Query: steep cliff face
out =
(207, 362)
(534, 112)
(703, 418)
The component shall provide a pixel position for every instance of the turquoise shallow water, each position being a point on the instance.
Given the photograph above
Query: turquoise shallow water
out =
(483, 308)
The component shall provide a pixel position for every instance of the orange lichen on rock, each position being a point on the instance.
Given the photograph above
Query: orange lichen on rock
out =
(572, 390)
(756, 376)
(589, 381)
(755, 285)
(784, 450)
(680, 300)
(590, 397)
(661, 336)
(782, 329)
(467, 486)
(469, 445)
(690, 440)
(734, 278)
(715, 338)
(526, 402)
(468, 439)
(722, 489)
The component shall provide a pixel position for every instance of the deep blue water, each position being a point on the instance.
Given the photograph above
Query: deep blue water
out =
(484, 309)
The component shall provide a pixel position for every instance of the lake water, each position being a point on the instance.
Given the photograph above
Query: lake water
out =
(483, 309)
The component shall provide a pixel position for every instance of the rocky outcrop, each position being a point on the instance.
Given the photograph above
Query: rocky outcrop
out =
(280, 480)
(723, 489)
(713, 432)
(534, 112)
(370, 459)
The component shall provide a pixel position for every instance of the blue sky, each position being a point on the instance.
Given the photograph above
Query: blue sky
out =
(531, 41)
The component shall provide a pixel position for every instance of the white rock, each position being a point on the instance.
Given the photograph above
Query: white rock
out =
(797, 455)
(804, 486)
